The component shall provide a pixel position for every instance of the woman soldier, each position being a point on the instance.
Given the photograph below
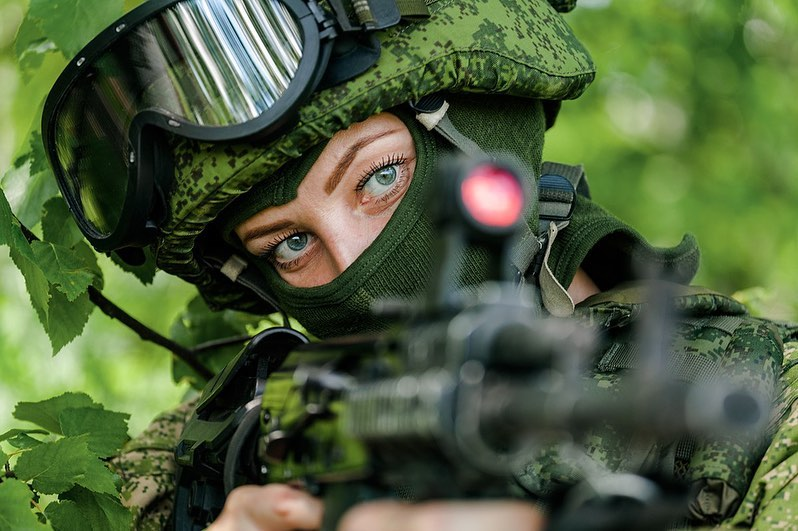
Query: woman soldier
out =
(278, 155)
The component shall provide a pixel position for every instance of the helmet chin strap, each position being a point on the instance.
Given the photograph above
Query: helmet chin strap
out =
(531, 264)
(236, 268)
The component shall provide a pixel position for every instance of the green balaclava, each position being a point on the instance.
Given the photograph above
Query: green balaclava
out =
(398, 263)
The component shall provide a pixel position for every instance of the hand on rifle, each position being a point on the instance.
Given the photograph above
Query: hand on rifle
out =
(279, 507)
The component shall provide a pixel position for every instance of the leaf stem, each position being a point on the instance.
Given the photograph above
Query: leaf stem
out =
(219, 343)
(146, 333)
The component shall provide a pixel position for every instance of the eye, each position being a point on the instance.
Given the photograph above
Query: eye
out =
(290, 248)
(382, 178)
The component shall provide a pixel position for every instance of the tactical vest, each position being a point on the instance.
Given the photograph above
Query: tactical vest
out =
(713, 340)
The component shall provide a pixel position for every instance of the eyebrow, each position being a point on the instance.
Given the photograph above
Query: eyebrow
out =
(332, 183)
(346, 160)
(263, 230)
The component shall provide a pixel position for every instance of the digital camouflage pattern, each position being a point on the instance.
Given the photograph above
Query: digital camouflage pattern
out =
(517, 47)
(745, 484)
(147, 468)
(772, 498)
(713, 341)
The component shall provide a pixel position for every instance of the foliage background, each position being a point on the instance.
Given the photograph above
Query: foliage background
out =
(689, 127)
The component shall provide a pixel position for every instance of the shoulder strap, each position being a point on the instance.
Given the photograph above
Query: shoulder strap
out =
(557, 189)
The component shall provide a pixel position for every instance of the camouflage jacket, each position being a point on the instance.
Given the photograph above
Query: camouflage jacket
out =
(739, 481)
(748, 484)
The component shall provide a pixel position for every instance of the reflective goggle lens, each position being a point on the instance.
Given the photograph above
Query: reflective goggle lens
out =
(208, 62)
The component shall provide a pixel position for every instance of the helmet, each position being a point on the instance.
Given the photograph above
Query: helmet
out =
(183, 105)
(518, 48)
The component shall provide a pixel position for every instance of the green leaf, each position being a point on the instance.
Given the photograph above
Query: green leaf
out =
(3, 458)
(46, 413)
(35, 281)
(15, 510)
(30, 183)
(82, 509)
(14, 432)
(64, 268)
(23, 441)
(66, 319)
(28, 35)
(198, 324)
(56, 467)
(89, 257)
(58, 226)
(71, 24)
(107, 430)
(144, 272)
(30, 46)
(8, 225)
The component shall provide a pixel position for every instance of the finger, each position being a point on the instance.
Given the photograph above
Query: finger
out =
(269, 508)
(443, 516)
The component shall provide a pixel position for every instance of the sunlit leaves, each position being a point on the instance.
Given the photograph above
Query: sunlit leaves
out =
(64, 269)
(144, 272)
(58, 226)
(23, 441)
(67, 462)
(56, 467)
(199, 324)
(106, 430)
(71, 24)
(57, 276)
(30, 183)
(80, 508)
(46, 413)
(15, 513)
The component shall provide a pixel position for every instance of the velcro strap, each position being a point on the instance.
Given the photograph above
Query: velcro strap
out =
(365, 11)
(413, 8)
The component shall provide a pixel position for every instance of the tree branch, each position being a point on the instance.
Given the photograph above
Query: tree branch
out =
(146, 333)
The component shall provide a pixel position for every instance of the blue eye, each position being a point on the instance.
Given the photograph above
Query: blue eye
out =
(381, 180)
(291, 248)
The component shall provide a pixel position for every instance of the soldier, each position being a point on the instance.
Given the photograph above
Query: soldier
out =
(277, 155)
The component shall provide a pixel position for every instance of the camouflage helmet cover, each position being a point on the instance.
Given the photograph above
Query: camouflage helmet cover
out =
(516, 47)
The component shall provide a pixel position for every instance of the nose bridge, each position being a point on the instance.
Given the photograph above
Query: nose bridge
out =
(342, 236)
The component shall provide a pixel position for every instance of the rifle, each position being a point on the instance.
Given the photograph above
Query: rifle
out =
(447, 404)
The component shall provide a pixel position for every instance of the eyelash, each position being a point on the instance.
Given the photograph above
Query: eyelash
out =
(268, 250)
(398, 160)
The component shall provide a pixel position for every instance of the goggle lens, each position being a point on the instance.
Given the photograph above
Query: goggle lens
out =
(208, 62)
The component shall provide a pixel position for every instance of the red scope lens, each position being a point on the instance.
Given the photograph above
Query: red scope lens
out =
(493, 196)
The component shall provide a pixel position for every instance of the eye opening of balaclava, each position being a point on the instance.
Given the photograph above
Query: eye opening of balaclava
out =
(398, 263)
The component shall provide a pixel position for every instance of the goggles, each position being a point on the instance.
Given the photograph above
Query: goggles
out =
(209, 70)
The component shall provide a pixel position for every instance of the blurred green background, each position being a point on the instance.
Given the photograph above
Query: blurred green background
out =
(689, 127)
